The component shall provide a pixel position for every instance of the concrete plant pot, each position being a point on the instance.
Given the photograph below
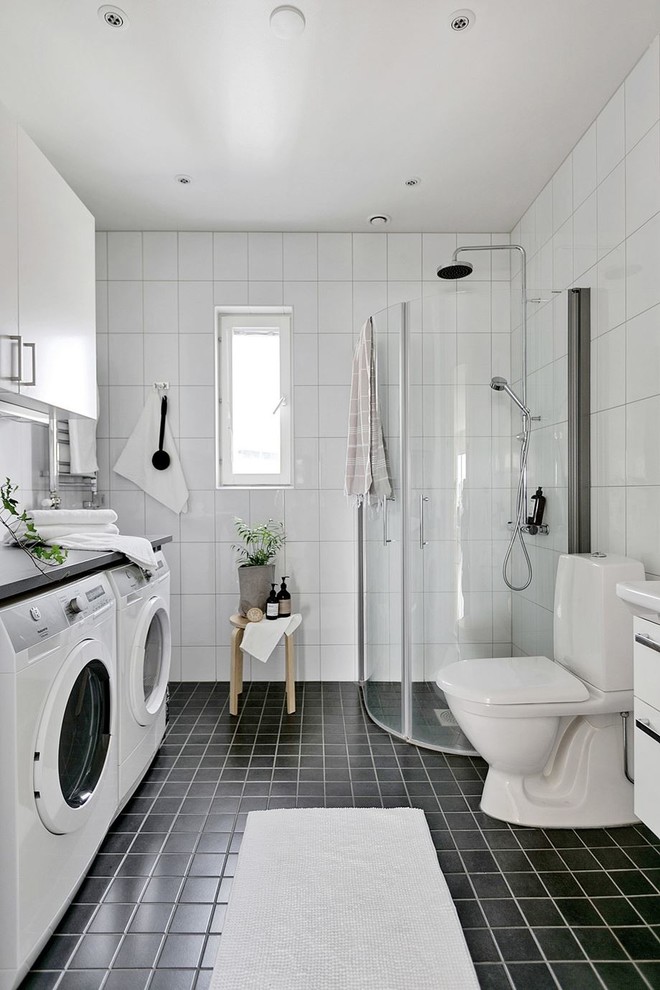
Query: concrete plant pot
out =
(254, 586)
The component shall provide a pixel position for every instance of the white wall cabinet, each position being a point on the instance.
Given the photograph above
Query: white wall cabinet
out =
(47, 281)
(8, 253)
(647, 722)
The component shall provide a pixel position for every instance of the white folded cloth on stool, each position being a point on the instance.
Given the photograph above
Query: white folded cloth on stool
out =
(136, 548)
(77, 517)
(261, 638)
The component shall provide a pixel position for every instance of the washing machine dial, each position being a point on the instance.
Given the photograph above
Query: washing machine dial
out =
(76, 605)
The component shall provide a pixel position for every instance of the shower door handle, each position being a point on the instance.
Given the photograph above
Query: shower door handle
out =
(422, 540)
(386, 535)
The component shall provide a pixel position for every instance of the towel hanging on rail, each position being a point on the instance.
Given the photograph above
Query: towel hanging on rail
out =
(366, 462)
(168, 487)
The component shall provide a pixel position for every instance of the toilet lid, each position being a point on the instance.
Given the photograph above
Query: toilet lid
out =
(511, 681)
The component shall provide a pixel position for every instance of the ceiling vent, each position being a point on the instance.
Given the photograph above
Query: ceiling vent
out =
(114, 17)
(379, 219)
(183, 180)
(462, 20)
(287, 22)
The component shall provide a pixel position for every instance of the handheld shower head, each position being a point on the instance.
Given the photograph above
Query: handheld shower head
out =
(455, 270)
(501, 385)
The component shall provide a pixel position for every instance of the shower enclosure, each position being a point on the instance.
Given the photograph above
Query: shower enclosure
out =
(431, 584)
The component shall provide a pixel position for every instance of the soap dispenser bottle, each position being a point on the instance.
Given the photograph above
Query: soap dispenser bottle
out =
(272, 604)
(539, 508)
(284, 599)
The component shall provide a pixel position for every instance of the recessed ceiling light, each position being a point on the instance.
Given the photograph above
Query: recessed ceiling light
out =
(114, 17)
(183, 180)
(414, 180)
(379, 219)
(462, 20)
(287, 22)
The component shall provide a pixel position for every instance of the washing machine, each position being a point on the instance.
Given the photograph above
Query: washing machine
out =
(144, 646)
(58, 761)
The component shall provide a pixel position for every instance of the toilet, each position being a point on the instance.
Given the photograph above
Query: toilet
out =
(552, 730)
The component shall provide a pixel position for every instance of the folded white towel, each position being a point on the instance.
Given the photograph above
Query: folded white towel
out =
(82, 446)
(79, 517)
(136, 548)
(51, 532)
(134, 462)
(261, 638)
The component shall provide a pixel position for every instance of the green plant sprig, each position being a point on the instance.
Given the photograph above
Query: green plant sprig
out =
(262, 543)
(23, 531)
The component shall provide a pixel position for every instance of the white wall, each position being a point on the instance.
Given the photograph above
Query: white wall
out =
(597, 224)
(156, 294)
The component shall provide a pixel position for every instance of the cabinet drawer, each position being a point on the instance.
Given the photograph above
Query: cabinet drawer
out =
(647, 661)
(647, 765)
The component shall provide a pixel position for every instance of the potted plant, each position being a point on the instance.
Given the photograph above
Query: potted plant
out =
(260, 546)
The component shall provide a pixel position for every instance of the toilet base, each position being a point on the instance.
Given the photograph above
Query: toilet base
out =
(583, 785)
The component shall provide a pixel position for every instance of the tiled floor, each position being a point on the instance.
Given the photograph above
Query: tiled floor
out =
(432, 722)
(540, 908)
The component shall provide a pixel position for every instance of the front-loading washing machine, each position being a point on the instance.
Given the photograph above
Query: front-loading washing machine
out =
(144, 647)
(58, 763)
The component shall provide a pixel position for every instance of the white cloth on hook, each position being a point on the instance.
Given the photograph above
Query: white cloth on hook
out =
(134, 462)
(366, 462)
(261, 638)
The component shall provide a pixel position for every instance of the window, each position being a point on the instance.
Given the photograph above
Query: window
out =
(253, 376)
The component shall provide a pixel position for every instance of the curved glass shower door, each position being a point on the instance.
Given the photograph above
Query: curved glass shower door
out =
(413, 607)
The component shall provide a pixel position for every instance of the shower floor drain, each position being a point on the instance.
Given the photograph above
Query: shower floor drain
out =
(445, 717)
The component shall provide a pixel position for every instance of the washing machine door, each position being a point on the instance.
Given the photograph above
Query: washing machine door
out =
(149, 668)
(74, 737)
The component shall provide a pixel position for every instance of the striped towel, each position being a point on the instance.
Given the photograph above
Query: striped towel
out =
(366, 463)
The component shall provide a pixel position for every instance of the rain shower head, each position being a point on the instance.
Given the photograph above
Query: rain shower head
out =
(501, 385)
(455, 270)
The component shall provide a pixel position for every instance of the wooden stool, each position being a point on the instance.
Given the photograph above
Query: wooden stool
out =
(239, 622)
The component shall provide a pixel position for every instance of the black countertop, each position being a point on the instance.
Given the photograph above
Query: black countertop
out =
(19, 576)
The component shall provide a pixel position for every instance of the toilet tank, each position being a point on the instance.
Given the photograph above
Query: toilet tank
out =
(593, 633)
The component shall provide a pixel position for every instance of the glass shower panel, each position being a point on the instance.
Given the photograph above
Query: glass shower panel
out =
(382, 542)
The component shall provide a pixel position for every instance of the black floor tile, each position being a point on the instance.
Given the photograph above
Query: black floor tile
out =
(564, 908)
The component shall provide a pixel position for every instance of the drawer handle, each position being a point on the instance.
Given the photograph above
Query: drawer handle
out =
(644, 727)
(645, 640)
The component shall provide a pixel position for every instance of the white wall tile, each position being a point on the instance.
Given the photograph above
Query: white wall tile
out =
(124, 307)
(643, 180)
(611, 211)
(609, 385)
(305, 359)
(304, 298)
(610, 135)
(196, 313)
(196, 359)
(404, 256)
(335, 256)
(101, 307)
(161, 307)
(125, 405)
(101, 254)
(300, 257)
(195, 256)
(584, 166)
(643, 355)
(125, 359)
(265, 256)
(335, 358)
(197, 411)
(643, 526)
(642, 95)
(267, 293)
(642, 447)
(585, 248)
(333, 410)
(124, 255)
(562, 194)
(160, 255)
(643, 265)
(335, 307)
(370, 257)
(161, 358)
(611, 295)
(230, 257)
(198, 463)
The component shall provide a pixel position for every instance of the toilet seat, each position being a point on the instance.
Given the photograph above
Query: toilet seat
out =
(512, 681)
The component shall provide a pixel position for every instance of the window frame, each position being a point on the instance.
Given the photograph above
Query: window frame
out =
(226, 477)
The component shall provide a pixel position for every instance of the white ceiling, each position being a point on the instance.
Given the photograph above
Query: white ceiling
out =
(319, 132)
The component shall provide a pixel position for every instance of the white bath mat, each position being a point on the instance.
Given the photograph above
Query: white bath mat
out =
(445, 717)
(340, 899)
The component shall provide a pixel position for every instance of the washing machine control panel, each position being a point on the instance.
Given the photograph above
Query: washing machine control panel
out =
(132, 578)
(39, 618)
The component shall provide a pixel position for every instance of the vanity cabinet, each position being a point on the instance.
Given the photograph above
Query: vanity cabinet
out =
(47, 282)
(647, 722)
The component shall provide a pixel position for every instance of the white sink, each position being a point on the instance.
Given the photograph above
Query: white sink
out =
(641, 597)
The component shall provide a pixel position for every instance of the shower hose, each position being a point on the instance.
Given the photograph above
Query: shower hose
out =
(517, 533)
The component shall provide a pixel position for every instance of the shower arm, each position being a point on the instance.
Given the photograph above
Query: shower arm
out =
(523, 296)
